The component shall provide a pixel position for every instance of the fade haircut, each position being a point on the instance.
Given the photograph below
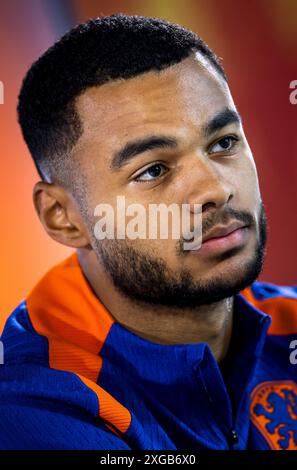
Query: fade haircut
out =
(91, 54)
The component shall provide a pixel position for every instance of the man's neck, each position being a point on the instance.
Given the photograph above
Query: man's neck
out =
(211, 324)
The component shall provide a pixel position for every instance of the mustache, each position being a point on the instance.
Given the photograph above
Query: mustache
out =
(215, 218)
(229, 215)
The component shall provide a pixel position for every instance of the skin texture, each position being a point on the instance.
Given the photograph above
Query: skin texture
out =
(177, 102)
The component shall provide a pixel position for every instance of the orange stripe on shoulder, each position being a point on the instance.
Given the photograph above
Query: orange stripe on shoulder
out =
(63, 308)
(109, 408)
(283, 311)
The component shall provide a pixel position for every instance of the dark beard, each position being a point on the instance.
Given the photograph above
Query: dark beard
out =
(146, 278)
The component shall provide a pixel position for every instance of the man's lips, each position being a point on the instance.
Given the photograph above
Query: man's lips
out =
(223, 238)
(222, 230)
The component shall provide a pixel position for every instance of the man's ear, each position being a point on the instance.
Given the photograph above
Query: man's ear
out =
(59, 215)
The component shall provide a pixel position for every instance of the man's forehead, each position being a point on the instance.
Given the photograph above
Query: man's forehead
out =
(187, 93)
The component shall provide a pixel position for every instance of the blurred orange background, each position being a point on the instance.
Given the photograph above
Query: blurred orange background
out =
(257, 41)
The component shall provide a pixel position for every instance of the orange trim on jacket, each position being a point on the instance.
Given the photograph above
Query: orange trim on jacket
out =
(283, 311)
(76, 329)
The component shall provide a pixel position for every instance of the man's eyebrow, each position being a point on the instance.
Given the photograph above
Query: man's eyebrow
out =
(220, 120)
(136, 147)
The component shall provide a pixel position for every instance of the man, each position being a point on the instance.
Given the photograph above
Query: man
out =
(140, 343)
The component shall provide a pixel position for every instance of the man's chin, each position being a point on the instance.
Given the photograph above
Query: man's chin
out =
(226, 281)
(149, 280)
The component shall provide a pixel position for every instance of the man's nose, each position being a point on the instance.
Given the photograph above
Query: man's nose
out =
(208, 186)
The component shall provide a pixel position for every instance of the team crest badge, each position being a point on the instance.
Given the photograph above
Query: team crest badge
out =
(274, 413)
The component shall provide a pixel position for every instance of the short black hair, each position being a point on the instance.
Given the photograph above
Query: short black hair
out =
(91, 54)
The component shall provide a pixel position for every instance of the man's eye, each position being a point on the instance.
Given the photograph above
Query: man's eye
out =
(151, 173)
(224, 145)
